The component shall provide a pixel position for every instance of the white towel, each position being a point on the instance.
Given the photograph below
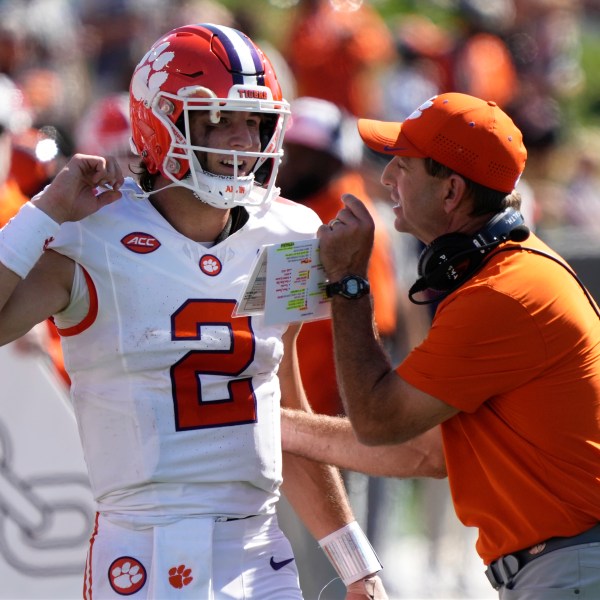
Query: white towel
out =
(182, 560)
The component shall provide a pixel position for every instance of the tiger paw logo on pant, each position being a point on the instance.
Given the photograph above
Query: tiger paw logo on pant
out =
(180, 576)
(127, 575)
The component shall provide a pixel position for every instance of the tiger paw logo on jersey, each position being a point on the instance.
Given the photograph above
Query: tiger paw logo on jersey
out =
(126, 575)
(140, 243)
(210, 265)
(180, 576)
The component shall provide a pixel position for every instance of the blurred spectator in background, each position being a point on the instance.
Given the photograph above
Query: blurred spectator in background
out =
(14, 120)
(105, 130)
(28, 160)
(113, 33)
(40, 50)
(582, 206)
(481, 62)
(419, 70)
(545, 42)
(322, 154)
(36, 158)
(336, 51)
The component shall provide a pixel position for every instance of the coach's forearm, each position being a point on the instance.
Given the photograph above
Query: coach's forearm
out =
(331, 440)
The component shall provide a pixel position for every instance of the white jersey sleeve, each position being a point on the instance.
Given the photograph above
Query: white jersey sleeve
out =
(177, 401)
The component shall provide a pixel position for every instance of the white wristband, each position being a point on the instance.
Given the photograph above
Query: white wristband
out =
(350, 553)
(24, 237)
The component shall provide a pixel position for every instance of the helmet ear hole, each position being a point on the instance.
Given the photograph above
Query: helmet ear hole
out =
(173, 166)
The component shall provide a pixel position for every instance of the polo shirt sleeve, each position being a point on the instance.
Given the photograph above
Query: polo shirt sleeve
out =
(482, 343)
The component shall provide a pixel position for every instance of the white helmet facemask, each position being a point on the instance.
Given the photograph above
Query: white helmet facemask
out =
(223, 191)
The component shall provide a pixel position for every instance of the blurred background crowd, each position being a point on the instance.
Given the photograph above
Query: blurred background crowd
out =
(65, 67)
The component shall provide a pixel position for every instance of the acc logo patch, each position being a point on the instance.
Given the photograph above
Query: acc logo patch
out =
(140, 243)
(210, 265)
(126, 575)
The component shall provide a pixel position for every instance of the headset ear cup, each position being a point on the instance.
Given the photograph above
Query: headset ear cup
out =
(437, 267)
(452, 259)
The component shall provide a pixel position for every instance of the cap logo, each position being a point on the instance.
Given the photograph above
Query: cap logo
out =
(419, 111)
(149, 75)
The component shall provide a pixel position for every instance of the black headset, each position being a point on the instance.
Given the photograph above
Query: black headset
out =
(452, 259)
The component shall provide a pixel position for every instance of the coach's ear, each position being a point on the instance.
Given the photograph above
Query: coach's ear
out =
(455, 188)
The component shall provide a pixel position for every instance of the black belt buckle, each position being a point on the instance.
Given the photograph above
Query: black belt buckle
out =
(489, 573)
(502, 571)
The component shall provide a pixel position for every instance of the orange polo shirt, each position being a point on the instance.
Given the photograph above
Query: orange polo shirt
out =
(337, 54)
(517, 350)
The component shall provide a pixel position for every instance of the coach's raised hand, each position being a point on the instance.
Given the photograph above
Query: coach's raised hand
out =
(83, 186)
(346, 242)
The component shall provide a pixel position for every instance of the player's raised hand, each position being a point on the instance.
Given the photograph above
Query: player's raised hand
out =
(83, 186)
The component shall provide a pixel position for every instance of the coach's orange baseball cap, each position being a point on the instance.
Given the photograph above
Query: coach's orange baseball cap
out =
(473, 137)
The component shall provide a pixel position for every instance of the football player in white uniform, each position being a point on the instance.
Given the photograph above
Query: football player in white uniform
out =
(177, 401)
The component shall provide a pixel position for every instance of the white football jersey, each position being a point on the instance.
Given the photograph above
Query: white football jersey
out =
(177, 401)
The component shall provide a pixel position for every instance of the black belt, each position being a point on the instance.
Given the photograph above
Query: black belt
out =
(501, 571)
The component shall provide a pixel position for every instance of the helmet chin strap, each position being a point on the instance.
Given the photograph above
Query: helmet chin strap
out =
(166, 187)
(145, 194)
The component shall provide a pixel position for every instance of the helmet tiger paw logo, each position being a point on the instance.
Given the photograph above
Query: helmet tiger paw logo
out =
(127, 575)
(180, 576)
(148, 79)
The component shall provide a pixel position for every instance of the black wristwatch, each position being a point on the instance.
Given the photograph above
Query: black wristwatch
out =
(351, 286)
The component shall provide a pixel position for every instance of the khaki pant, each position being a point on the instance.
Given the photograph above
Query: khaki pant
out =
(570, 573)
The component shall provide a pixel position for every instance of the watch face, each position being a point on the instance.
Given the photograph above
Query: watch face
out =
(352, 286)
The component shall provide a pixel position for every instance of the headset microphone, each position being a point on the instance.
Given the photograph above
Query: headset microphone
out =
(519, 233)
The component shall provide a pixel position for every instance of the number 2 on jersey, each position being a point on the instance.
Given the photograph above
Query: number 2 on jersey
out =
(231, 352)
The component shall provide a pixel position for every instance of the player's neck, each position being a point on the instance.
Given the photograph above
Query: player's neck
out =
(191, 217)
